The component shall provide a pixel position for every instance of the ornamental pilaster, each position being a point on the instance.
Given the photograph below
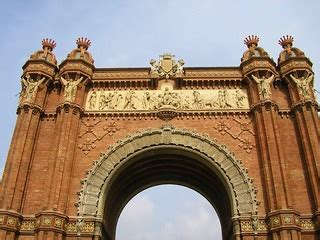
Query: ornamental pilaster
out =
(296, 70)
(37, 74)
(259, 70)
(75, 73)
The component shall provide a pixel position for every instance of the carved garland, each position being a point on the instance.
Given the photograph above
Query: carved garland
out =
(243, 193)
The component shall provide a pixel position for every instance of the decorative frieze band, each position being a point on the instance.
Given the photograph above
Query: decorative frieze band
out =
(151, 100)
(78, 226)
(55, 222)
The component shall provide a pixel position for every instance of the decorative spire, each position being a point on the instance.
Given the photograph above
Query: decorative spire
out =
(250, 40)
(83, 42)
(49, 43)
(286, 40)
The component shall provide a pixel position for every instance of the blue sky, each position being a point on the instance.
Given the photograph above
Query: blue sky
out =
(128, 33)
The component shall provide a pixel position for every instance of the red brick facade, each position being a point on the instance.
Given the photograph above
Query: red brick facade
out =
(59, 137)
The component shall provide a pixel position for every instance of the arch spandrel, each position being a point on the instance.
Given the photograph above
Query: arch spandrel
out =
(221, 160)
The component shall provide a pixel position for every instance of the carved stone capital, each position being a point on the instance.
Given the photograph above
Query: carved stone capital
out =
(40, 67)
(26, 107)
(77, 66)
(255, 64)
(284, 219)
(70, 107)
(10, 220)
(294, 64)
(308, 104)
(264, 105)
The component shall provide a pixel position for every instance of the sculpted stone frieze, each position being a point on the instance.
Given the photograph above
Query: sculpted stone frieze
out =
(216, 99)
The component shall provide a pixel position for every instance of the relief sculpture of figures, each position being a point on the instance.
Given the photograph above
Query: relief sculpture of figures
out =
(123, 100)
(130, 100)
(303, 84)
(30, 87)
(70, 88)
(264, 85)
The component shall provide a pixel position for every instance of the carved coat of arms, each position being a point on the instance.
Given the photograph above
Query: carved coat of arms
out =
(166, 67)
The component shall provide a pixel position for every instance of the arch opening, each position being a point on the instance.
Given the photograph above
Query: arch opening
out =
(168, 212)
(164, 165)
(167, 156)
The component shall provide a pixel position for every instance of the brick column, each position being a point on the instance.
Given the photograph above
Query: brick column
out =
(23, 142)
(259, 70)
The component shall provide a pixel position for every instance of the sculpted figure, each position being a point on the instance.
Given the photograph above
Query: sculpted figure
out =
(186, 103)
(147, 101)
(70, 88)
(130, 100)
(180, 66)
(239, 98)
(223, 99)
(92, 100)
(264, 85)
(30, 86)
(116, 99)
(102, 101)
(154, 66)
(303, 84)
(197, 101)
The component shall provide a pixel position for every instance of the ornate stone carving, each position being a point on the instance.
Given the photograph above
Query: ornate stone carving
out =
(245, 142)
(243, 193)
(153, 100)
(46, 221)
(288, 50)
(29, 87)
(28, 225)
(166, 67)
(11, 221)
(70, 88)
(46, 53)
(264, 85)
(90, 137)
(303, 84)
(307, 224)
(253, 49)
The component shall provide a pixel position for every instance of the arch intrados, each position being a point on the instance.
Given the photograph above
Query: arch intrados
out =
(166, 165)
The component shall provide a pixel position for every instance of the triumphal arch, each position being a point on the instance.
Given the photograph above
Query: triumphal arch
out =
(88, 139)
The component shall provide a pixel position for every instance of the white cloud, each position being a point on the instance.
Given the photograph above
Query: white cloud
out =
(140, 209)
(146, 218)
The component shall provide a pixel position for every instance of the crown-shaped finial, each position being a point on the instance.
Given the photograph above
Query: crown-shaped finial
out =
(286, 40)
(84, 42)
(251, 40)
(48, 43)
